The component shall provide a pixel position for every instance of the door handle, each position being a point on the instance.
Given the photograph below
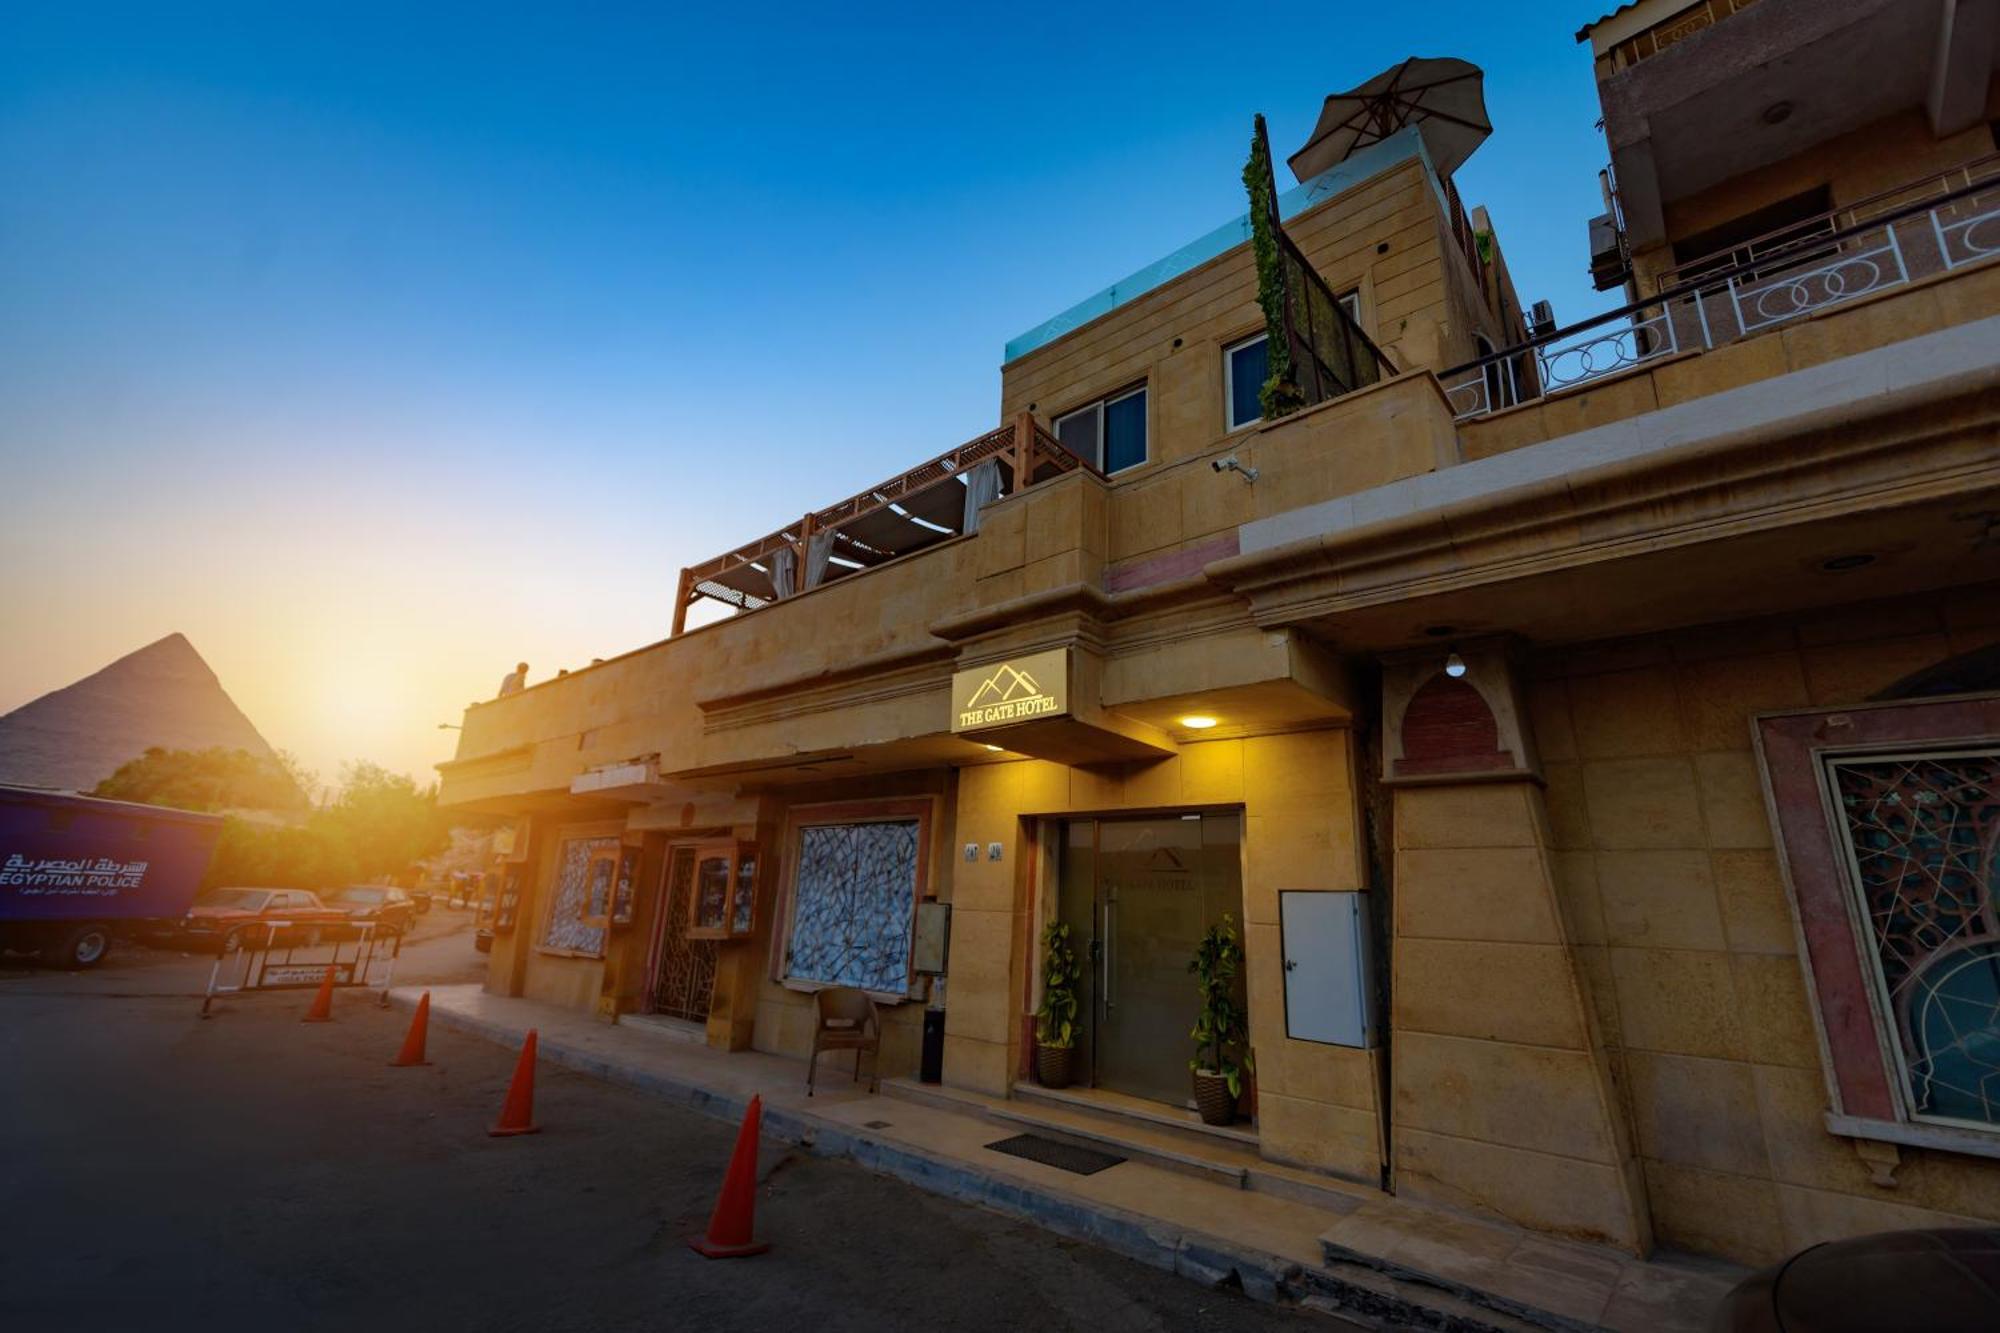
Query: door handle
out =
(1110, 959)
(1291, 965)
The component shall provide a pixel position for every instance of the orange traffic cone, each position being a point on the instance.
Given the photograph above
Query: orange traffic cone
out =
(413, 1044)
(517, 1113)
(322, 1005)
(732, 1225)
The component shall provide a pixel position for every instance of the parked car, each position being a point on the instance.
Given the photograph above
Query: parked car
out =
(226, 920)
(1938, 1280)
(386, 907)
(77, 872)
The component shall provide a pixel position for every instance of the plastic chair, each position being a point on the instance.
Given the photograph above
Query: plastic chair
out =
(846, 1021)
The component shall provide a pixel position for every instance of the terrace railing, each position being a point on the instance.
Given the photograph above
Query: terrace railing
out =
(1748, 291)
(930, 503)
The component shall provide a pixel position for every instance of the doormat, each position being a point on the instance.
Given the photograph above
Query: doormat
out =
(1050, 1152)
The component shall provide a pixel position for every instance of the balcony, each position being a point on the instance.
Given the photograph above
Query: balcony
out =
(1648, 42)
(1922, 232)
(1730, 94)
(931, 503)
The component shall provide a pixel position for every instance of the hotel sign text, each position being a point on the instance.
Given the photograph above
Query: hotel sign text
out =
(1020, 689)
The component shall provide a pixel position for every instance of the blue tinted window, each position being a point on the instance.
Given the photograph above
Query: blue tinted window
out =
(1248, 365)
(1125, 432)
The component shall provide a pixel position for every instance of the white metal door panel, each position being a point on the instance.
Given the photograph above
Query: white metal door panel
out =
(1328, 981)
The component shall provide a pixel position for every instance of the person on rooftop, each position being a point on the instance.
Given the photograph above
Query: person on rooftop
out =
(515, 681)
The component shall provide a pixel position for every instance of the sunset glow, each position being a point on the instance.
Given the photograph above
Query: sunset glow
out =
(373, 395)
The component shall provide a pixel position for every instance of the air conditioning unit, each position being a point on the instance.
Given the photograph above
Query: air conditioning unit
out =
(1609, 266)
(1541, 319)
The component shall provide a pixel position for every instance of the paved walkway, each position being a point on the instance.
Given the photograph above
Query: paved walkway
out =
(1209, 1210)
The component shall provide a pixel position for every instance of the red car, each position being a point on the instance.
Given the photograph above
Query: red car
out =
(225, 920)
(389, 908)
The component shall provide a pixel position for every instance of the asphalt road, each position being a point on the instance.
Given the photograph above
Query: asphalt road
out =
(161, 1172)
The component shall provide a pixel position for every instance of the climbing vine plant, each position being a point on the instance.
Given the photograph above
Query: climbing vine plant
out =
(1280, 394)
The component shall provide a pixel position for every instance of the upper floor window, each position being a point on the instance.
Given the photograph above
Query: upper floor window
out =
(1245, 367)
(1110, 433)
(1247, 364)
(1791, 228)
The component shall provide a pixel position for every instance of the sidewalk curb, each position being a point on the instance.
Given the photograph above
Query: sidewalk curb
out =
(1212, 1260)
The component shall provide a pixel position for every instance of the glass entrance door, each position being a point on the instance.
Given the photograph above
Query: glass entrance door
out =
(1138, 895)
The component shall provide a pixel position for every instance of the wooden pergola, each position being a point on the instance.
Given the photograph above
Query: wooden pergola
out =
(907, 513)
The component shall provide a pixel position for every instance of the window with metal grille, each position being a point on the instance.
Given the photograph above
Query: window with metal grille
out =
(857, 875)
(1921, 834)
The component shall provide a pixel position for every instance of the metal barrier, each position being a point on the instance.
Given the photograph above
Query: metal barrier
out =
(258, 970)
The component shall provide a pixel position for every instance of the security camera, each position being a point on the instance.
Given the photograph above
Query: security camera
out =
(1231, 464)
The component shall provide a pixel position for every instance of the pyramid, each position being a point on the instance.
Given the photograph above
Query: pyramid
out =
(163, 694)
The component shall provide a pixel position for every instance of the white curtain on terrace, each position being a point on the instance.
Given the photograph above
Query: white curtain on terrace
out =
(982, 488)
(784, 566)
(819, 549)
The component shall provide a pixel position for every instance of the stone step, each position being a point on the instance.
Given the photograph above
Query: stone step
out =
(667, 1029)
(1138, 1131)
(1137, 1110)
(1123, 1117)
(1135, 1142)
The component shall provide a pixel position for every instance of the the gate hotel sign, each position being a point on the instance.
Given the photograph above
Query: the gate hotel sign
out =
(1019, 689)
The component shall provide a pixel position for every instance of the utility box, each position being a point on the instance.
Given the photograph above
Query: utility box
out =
(1329, 975)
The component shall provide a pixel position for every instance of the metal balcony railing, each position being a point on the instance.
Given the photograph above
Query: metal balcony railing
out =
(1747, 291)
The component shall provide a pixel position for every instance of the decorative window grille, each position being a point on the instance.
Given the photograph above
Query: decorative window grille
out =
(567, 927)
(854, 904)
(1922, 837)
(684, 973)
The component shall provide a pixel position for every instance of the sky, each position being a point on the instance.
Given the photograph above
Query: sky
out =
(378, 348)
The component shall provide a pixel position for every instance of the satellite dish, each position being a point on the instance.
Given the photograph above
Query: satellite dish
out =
(1444, 98)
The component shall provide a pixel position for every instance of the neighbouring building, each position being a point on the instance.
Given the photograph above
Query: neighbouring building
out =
(1595, 731)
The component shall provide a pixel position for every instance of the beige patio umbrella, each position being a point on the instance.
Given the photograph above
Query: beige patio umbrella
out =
(1444, 98)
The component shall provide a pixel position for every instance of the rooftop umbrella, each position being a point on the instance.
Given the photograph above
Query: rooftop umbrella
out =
(1442, 97)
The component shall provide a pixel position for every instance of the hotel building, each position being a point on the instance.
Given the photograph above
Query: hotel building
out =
(1594, 732)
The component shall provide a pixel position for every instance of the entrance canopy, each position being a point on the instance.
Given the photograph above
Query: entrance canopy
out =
(1444, 98)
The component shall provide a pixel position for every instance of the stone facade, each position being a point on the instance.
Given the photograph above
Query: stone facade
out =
(1595, 1018)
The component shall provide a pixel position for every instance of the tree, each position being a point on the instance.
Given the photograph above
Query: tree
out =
(382, 819)
(290, 856)
(376, 825)
(210, 779)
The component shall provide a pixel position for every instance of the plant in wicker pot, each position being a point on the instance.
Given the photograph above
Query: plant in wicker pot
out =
(1220, 1062)
(1055, 1021)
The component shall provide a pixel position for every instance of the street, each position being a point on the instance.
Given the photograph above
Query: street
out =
(166, 1172)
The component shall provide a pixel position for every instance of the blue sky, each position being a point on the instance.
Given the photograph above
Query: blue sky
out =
(376, 349)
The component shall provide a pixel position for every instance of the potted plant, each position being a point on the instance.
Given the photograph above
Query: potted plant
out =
(1055, 1021)
(1219, 1030)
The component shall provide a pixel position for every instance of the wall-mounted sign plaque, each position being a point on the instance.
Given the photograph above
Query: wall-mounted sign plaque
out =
(1019, 689)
